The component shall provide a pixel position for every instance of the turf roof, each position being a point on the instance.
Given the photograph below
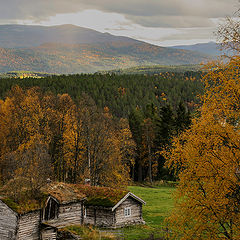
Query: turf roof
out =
(101, 196)
(64, 193)
(67, 193)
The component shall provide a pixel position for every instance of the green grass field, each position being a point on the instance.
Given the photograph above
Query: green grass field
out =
(159, 205)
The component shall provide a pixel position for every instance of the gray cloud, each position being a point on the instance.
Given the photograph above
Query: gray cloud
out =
(170, 21)
(186, 34)
(149, 13)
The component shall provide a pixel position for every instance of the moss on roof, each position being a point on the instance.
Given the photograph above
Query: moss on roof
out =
(26, 203)
(64, 193)
(101, 196)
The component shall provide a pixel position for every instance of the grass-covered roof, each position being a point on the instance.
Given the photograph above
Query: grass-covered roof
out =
(26, 201)
(20, 197)
(101, 196)
(64, 193)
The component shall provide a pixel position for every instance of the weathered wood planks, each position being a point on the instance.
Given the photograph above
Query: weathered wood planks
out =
(8, 222)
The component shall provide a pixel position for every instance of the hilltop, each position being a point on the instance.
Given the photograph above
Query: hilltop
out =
(26, 36)
(210, 48)
(71, 49)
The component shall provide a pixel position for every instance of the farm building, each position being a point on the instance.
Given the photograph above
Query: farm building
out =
(61, 205)
(16, 225)
(65, 205)
(106, 207)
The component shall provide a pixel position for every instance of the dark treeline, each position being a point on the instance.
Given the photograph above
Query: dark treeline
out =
(152, 131)
(120, 93)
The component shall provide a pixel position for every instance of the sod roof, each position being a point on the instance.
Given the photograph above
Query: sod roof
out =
(101, 196)
(67, 193)
(64, 193)
(24, 205)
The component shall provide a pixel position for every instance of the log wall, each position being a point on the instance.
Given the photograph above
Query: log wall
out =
(29, 226)
(69, 214)
(48, 234)
(99, 216)
(134, 218)
(8, 222)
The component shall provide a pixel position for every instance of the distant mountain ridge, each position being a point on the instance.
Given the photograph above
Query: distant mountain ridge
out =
(25, 36)
(210, 48)
(71, 49)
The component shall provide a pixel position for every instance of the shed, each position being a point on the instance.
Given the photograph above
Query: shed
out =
(108, 207)
(128, 211)
(18, 223)
(61, 205)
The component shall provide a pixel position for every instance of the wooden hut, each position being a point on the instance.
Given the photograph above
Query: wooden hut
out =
(15, 223)
(62, 205)
(107, 207)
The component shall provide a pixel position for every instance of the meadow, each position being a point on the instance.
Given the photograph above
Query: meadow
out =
(159, 203)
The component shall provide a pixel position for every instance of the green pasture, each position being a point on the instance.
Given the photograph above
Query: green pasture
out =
(159, 205)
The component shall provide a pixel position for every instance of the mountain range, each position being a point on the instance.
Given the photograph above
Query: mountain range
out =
(210, 48)
(71, 49)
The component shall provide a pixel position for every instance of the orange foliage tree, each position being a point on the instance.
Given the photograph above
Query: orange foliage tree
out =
(206, 158)
(46, 135)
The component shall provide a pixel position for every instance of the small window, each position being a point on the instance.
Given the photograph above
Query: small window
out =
(127, 212)
(85, 212)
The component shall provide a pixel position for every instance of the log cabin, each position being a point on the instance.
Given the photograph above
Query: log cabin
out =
(65, 205)
(126, 209)
(18, 225)
(60, 205)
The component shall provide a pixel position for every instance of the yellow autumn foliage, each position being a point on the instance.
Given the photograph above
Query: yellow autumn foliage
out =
(206, 158)
(45, 135)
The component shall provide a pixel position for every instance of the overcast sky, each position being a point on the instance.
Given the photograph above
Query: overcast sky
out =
(161, 22)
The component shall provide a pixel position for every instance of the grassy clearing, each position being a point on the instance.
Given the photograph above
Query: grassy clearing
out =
(159, 204)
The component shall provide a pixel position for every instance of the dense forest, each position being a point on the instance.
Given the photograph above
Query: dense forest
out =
(120, 93)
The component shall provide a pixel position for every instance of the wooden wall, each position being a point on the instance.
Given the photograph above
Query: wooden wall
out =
(99, 216)
(49, 234)
(8, 222)
(29, 226)
(69, 214)
(136, 213)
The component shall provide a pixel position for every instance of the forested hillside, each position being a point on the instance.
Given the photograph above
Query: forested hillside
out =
(68, 49)
(211, 48)
(86, 58)
(156, 69)
(120, 93)
(27, 36)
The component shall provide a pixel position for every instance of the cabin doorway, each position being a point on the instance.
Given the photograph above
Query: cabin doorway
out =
(51, 210)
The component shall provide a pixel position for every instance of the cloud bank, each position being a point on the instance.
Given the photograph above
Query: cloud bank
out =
(147, 13)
